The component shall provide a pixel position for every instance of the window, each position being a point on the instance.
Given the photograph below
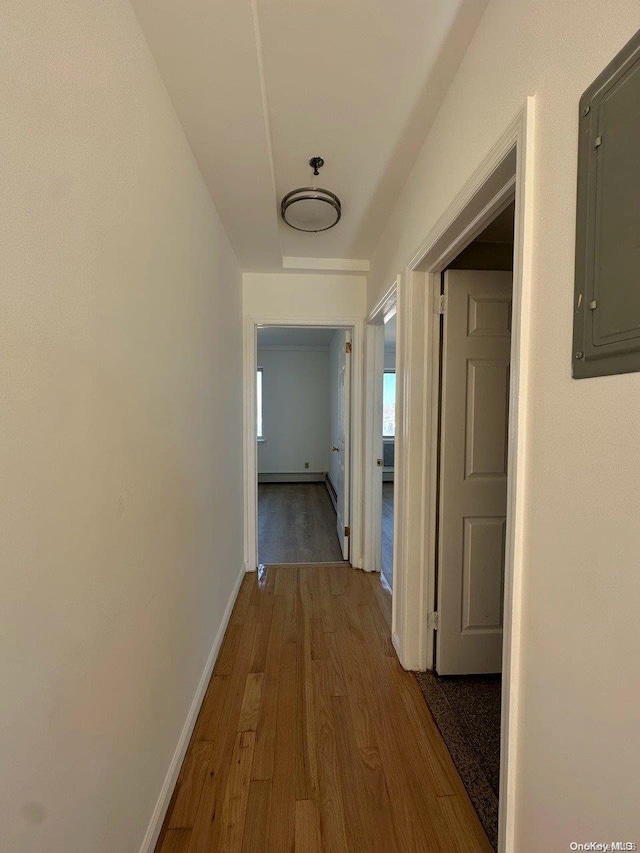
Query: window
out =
(389, 404)
(259, 405)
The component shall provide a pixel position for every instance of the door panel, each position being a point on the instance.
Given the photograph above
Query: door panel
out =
(487, 395)
(473, 471)
(482, 587)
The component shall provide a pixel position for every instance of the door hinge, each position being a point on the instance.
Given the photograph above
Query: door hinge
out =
(598, 142)
(347, 531)
(593, 304)
(347, 346)
(441, 304)
(433, 620)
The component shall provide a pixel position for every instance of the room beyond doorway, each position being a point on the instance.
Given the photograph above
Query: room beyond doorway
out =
(388, 449)
(474, 356)
(303, 444)
(296, 524)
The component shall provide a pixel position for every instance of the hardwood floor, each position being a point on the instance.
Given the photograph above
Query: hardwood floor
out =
(311, 737)
(296, 524)
(387, 532)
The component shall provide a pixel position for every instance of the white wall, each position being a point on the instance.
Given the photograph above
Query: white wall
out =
(304, 295)
(295, 385)
(578, 730)
(120, 457)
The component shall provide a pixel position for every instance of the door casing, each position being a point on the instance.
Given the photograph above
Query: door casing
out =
(506, 171)
(250, 445)
(373, 450)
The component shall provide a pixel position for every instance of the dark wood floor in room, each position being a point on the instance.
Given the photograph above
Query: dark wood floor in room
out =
(311, 737)
(387, 532)
(296, 524)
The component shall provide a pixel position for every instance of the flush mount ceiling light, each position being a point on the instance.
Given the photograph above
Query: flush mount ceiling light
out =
(311, 208)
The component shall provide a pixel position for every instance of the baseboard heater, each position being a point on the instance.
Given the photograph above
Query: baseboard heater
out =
(332, 491)
(293, 477)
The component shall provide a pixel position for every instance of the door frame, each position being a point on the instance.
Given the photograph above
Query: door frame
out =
(507, 170)
(250, 444)
(374, 361)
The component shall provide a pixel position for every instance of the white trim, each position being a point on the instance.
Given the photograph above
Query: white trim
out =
(411, 504)
(250, 466)
(157, 818)
(326, 264)
(291, 348)
(489, 190)
(292, 476)
(385, 308)
(374, 357)
(374, 368)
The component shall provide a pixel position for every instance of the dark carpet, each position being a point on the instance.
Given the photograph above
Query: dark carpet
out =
(466, 710)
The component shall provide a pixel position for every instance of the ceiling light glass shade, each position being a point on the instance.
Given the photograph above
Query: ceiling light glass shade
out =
(311, 209)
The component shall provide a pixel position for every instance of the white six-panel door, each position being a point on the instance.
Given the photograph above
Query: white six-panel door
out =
(473, 471)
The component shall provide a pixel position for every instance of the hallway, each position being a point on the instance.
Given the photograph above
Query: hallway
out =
(311, 737)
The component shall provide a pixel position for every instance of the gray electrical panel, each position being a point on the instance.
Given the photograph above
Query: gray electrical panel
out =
(606, 331)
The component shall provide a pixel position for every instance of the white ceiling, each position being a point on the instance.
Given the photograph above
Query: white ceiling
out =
(263, 85)
(272, 336)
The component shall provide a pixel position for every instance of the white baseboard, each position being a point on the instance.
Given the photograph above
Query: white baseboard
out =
(332, 491)
(159, 812)
(293, 477)
(395, 641)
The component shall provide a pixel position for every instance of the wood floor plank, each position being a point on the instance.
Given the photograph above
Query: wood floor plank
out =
(465, 835)
(281, 834)
(338, 579)
(257, 817)
(264, 753)
(331, 805)
(176, 841)
(305, 732)
(234, 807)
(291, 623)
(327, 608)
(213, 701)
(336, 668)
(352, 647)
(319, 645)
(311, 736)
(307, 835)
(207, 826)
(190, 785)
(382, 596)
(243, 601)
(261, 643)
(381, 627)
(229, 650)
(250, 709)
(360, 829)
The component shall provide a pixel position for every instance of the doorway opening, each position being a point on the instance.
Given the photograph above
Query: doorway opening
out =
(388, 449)
(303, 437)
(464, 690)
